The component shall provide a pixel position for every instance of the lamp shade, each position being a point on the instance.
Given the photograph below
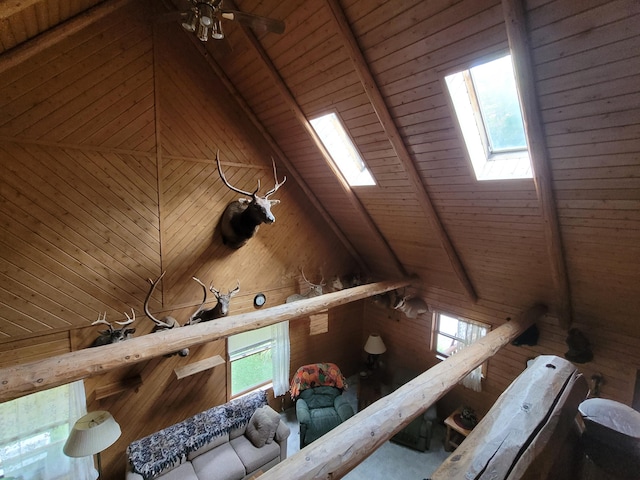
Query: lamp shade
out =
(92, 434)
(374, 345)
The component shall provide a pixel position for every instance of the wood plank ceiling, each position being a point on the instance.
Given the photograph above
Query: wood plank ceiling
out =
(380, 66)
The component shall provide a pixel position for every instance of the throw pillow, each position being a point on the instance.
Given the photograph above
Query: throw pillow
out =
(262, 426)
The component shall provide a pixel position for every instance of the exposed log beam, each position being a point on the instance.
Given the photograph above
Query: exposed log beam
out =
(24, 52)
(515, 21)
(19, 380)
(233, 91)
(293, 106)
(525, 431)
(343, 448)
(390, 128)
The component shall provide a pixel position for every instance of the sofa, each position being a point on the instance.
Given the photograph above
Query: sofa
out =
(232, 441)
(320, 406)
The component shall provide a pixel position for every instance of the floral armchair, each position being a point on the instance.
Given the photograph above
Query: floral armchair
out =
(320, 405)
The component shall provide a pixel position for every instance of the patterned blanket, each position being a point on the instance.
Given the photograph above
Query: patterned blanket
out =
(315, 375)
(150, 455)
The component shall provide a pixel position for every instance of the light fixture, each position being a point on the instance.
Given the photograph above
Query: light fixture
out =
(206, 14)
(203, 32)
(374, 347)
(91, 434)
(216, 30)
(190, 21)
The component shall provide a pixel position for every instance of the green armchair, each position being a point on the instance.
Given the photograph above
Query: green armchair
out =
(319, 410)
(317, 389)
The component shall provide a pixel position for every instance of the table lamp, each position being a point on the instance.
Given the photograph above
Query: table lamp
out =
(91, 434)
(374, 347)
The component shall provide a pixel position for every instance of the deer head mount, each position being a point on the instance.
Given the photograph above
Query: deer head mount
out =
(114, 335)
(220, 310)
(166, 323)
(315, 290)
(411, 306)
(241, 218)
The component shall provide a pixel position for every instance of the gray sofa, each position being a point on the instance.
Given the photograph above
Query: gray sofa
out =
(220, 443)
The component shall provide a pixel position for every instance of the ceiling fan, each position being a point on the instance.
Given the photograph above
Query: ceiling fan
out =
(203, 17)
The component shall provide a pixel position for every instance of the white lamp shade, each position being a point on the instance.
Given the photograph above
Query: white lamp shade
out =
(374, 345)
(92, 434)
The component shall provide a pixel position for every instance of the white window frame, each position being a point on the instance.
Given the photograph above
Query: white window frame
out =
(241, 353)
(487, 165)
(346, 169)
(436, 331)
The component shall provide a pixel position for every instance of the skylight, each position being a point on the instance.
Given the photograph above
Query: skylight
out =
(342, 150)
(485, 99)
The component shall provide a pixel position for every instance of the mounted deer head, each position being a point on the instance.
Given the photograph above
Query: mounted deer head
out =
(166, 323)
(241, 218)
(315, 290)
(220, 310)
(411, 306)
(113, 335)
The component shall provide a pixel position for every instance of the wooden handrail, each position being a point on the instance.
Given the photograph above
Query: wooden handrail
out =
(19, 380)
(336, 453)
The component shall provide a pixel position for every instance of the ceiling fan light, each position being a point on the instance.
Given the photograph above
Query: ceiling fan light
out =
(189, 22)
(216, 30)
(206, 15)
(203, 32)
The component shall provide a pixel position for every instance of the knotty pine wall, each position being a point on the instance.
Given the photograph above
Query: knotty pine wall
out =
(408, 343)
(107, 142)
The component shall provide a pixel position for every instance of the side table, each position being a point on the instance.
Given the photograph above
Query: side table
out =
(369, 391)
(455, 432)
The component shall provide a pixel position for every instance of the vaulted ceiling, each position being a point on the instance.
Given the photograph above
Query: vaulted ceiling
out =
(569, 237)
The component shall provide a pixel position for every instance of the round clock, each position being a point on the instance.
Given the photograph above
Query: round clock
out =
(259, 300)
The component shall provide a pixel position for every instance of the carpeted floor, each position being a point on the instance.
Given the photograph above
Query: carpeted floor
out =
(390, 461)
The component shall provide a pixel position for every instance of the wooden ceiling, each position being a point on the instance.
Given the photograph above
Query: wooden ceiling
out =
(380, 65)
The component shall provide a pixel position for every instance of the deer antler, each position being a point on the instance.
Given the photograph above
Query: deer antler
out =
(204, 300)
(129, 319)
(226, 182)
(102, 319)
(275, 176)
(159, 323)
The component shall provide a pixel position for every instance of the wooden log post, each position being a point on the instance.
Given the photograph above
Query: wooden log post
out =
(19, 380)
(521, 436)
(343, 448)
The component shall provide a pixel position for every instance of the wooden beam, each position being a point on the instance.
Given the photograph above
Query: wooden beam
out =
(19, 380)
(392, 132)
(525, 429)
(25, 51)
(343, 448)
(515, 21)
(293, 106)
(233, 91)
(8, 8)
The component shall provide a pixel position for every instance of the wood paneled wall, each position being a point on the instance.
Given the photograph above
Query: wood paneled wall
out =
(108, 143)
(408, 344)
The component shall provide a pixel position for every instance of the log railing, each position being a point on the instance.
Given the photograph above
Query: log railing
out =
(19, 380)
(343, 448)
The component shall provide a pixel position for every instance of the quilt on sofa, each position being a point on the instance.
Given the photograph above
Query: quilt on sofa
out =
(153, 454)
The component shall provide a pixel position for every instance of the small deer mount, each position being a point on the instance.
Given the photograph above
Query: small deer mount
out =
(315, 290)
(241, 218)
(411, 306)
(220, 310)
(114, 335)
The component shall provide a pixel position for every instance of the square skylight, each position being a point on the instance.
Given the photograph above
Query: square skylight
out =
(485, 100)
(342, 150)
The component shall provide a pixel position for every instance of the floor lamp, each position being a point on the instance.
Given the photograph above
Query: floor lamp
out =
(92, 434)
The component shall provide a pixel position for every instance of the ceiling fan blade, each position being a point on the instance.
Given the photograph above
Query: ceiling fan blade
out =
(256, 22)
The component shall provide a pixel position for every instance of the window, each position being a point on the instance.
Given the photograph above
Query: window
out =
(485, 100)
(34, 430)
(342, 150)
(452, 334)
(250, 357)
